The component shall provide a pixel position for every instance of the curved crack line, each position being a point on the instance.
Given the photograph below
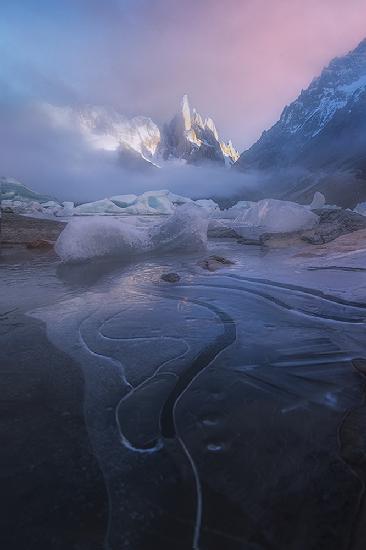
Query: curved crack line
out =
(336, 268)
(168, 427)
(101, 462)
(280, 303)
(100, 355)
(303, 290)
(168, 423)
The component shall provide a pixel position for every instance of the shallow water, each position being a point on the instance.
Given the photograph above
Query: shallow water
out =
(224, 411)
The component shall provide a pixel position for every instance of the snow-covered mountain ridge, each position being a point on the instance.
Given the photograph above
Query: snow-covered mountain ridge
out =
(195, 139)
(321, 135)
(340, 87)
(188, 137)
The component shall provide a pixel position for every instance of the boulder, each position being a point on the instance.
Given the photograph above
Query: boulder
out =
(170, 277)
(213, 263)
(333, 224)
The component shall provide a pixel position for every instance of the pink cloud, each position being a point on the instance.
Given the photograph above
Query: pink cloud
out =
(240, 61)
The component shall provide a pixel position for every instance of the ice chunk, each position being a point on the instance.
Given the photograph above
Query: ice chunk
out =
(124, 200)
(234, 211)
(84, 239)
(104, 206)
(151, 202)
(50, 204)
(318, 201)
(361, 208)
(243, 204)
(12, 189)
(207, 204)
(277, 216)
(185, 230)
(178, 199)
(66, 210)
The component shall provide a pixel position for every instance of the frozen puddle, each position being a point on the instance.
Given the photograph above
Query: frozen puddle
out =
(219, 407)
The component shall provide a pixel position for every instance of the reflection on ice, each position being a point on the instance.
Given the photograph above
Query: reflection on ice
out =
(223, 389)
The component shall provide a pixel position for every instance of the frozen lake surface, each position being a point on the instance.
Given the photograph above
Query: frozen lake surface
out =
(224, 411)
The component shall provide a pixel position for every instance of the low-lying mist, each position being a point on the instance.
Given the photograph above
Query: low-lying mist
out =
(57, 159)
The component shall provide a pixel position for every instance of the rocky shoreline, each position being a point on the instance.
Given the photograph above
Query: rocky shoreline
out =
(29, 232)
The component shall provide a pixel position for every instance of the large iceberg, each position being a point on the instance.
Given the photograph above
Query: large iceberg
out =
(234, 211)
(208, 204)
(13, 190)
(98, 237)
(185, 230)
(276, 216)
(104, 206)
(151, 202)
(124, 200)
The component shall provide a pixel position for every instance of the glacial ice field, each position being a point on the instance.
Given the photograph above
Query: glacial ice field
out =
(225, 410)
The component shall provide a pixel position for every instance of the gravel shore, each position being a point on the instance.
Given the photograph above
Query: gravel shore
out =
(22, 230)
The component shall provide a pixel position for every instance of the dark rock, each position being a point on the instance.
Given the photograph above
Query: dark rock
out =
(333, 224)
(222, 233)
(170, 277)
(251, 242)
(213, 263)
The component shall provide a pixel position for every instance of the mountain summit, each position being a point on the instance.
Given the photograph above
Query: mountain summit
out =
(195, 139)
(139, 142)
(324, 129)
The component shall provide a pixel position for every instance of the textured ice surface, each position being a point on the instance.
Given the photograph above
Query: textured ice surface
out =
(222, 403)
(84, 239)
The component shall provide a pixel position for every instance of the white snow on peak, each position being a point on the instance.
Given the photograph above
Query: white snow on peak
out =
(199, 130)
(105, 129)
(186, 113)
(230, 153)
(197, 119)
(108, 130)
(210, 125)
(339, 83)
(357, 85)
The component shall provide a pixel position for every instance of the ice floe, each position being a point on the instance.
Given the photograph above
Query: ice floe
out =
(277, 216)
(96, 237)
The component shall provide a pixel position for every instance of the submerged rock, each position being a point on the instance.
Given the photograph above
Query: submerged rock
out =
(213, 263)
(170, 277)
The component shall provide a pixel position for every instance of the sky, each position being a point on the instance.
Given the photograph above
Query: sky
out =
(240, 61)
